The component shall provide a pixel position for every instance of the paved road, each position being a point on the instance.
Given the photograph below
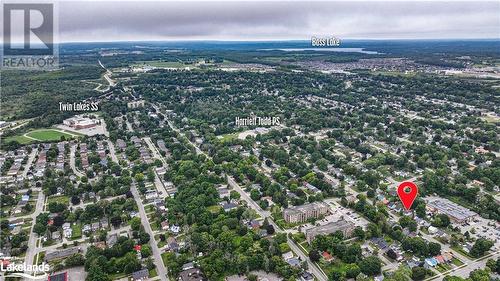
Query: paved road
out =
(465, 269)
(30, 161)
(112, 151)
(107, 76)
(72, 162)
(160, 267)
(154, 149)
(32, 249)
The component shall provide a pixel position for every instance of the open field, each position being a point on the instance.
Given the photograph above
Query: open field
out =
(172, 64)
(41, 135)
(19, 139)
(47, 135)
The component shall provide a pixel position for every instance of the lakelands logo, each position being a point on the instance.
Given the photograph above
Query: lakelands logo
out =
(12, 269)
(28, 36)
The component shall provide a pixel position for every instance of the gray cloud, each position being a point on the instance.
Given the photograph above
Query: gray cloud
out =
(138, 20)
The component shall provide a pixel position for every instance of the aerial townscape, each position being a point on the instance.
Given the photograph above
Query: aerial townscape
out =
(254, 160)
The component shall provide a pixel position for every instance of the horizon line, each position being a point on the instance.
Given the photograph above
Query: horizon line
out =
(270, 40)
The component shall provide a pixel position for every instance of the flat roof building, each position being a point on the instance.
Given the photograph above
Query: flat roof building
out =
(304, 212)
(457, 213)
(342, 225)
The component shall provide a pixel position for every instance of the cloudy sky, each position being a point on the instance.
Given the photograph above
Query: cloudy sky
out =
(276, 20)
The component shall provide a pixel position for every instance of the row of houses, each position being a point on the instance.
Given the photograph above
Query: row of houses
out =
(17, 157)
(60, 156)
(145, 155)
(84, 156)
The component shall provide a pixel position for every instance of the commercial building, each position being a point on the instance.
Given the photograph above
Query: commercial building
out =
(342, 225)
(455, 212)
(304, 212)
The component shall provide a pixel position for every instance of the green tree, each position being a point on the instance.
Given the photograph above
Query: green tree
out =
(370, 266)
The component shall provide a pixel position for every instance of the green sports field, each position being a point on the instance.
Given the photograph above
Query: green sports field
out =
(47, 135)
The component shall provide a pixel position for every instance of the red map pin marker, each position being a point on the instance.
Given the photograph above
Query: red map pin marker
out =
(407, 192)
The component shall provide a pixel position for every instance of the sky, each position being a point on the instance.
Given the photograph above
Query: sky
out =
(276, 20)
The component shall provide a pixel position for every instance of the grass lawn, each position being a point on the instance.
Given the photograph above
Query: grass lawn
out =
(19, 139)
(41, 256)
(164, 258)
(154, 226)
(60, 199)
(48, 135)
(304, 247)
(456, 262)
(214, 209)
(442, 267)
(461, 251)
(153, 273)
(228, 137)
(491, 119)
(77, 231)
(161, 244)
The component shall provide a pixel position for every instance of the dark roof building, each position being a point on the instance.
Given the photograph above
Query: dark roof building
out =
(193, 274)
(142, 274)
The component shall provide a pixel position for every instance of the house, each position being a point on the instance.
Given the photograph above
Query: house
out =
(121, 144)
(187, 266)
(56, 235)
(253, 224)
(104, 223)
(164, 225)
(140, 275)
(229, 206)
(151, 194)
(223, 192)
(306, 276)
(432, 230)
(172, 244)
(100, 244)
(112, 239)
(192, 274)
(327, 257)
(295, 262)
(68, 232)
(175, 229)
(430, 262)
(311, 188)
(95, 226)
(287, 255)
